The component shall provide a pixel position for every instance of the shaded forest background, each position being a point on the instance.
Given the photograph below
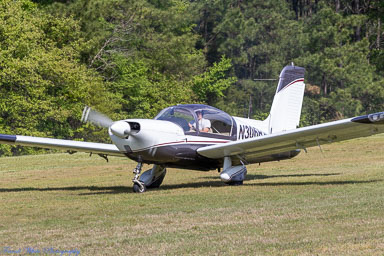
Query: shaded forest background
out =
(131, 58)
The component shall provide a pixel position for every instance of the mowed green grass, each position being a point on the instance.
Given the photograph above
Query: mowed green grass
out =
(315, 204)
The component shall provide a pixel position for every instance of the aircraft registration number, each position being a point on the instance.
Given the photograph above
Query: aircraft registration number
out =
(246, 132)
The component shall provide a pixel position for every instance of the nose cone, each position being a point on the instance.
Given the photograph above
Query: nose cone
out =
(121, 129)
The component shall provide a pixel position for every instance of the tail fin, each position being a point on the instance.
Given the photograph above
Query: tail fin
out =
(286, 107)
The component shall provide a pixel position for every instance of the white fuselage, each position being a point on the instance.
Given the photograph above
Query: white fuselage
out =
(164, 142)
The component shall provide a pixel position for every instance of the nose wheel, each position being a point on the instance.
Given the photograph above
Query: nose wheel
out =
(138, 186)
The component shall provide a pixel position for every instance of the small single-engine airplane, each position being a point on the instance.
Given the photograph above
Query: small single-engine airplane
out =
(201, 137)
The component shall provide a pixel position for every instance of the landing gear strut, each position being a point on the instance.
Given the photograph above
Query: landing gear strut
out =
(138, 186)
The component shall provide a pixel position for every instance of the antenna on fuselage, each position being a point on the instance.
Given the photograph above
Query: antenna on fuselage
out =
(265, 79)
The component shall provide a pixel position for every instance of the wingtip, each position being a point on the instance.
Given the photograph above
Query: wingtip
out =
(7, 138)
(377, 118)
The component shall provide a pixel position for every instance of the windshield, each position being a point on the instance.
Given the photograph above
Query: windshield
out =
(178, 116)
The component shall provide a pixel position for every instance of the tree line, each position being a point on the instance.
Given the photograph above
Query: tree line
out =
(131, 58)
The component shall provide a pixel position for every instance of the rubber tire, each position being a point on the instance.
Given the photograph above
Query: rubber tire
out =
(137, 188)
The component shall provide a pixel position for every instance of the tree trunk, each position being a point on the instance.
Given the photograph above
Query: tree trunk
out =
(337, 5)
(378, 33)
(358, 28)
(295, 8)
(324, 84)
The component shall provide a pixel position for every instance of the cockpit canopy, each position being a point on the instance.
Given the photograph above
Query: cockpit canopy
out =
(187, 117)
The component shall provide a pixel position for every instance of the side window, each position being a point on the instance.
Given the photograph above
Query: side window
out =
(221, 123)
(221, 128)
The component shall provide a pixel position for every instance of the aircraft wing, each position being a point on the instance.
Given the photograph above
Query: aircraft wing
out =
(69, 145)
(300, 138)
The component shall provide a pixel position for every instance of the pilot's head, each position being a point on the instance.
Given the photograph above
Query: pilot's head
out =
(199, 114)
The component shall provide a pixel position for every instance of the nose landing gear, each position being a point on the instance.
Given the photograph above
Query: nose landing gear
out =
(151, 178)
(138, 186)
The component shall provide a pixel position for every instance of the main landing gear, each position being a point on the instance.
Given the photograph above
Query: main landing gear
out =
(233, 175)
(151, 178)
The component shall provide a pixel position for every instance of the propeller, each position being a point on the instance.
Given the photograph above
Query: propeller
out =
(119, 128)
(96, 118)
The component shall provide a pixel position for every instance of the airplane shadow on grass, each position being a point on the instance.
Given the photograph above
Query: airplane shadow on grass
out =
(209, 182)
(97, 189)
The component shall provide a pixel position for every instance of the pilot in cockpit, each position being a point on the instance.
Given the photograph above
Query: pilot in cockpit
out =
(204, 124)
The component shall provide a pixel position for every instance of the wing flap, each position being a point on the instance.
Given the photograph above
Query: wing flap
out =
(71, 145)
(300, 138)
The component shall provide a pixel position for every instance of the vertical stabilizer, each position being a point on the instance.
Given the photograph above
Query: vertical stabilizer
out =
(286, 107)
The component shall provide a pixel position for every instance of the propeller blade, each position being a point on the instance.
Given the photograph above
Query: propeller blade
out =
(96, 118)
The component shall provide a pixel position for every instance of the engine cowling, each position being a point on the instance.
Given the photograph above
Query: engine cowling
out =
(140, 134)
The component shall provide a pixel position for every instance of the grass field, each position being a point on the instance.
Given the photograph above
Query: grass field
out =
(315, 204)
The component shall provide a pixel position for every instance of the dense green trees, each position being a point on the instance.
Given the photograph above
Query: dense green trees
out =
(42, 84)
(131, 58)
(339, 62)
(332, 40)
(145, 50)
(259, 36)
